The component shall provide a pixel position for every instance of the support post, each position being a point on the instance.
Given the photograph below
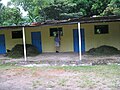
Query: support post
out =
(24, 44)
(79, 34)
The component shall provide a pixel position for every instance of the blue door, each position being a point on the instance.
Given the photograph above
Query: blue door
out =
(36, 40)
(76, 40)
(2, 44)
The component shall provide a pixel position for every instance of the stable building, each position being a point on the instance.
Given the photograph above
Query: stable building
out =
(75, 35)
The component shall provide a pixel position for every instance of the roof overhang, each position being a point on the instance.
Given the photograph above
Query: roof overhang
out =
(83, 20)
(97, 19)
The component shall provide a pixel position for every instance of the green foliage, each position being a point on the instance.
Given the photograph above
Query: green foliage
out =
(41, 10)
(54, 10)
(33, 7)
(61, 9)
(82, 6)
(27, 5)
(112, 9)
(11, 16)
(99, 6)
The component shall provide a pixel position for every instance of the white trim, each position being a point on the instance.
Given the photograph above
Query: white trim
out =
(79, 34)
(25, 57)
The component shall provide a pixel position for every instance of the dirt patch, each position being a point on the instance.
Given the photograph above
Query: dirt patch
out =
(60, 78)
(62, 59)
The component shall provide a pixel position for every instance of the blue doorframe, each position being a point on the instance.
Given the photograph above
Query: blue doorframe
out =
(76, 40)
(2, 44)
(36, 40)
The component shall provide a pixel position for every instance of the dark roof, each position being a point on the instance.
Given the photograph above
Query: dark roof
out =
(82, 20)
(13, 27)
(97, 19)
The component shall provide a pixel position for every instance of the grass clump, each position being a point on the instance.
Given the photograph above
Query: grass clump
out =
(7, 66)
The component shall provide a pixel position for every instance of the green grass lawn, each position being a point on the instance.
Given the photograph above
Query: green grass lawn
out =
(109, 70)
(97, 68)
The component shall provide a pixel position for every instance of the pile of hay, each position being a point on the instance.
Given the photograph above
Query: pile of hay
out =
(18, 51)
(104, 50)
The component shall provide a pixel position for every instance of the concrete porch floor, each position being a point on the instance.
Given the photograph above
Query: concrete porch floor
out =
(64, 57)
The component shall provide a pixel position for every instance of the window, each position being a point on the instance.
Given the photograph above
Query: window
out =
(101, 29)
(16, 34)
(55, 31)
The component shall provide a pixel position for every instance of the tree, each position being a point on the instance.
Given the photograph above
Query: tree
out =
(61, 9)
(33, 7)
(10, 16)
(54, 9)
(27, 5)
(91, 7)
(41, 10)
(112, 9)
(99, 6)
(83, 6)
(1, 12)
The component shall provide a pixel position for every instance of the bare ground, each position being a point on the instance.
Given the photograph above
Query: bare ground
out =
(47, 78)
(65, 58)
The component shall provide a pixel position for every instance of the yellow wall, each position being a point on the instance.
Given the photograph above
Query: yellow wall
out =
(91, 40)
(95, 40)
(9, 42)
(48, 42)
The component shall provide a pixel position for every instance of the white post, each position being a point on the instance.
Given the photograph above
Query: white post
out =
(23, 29)
(79, 34)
